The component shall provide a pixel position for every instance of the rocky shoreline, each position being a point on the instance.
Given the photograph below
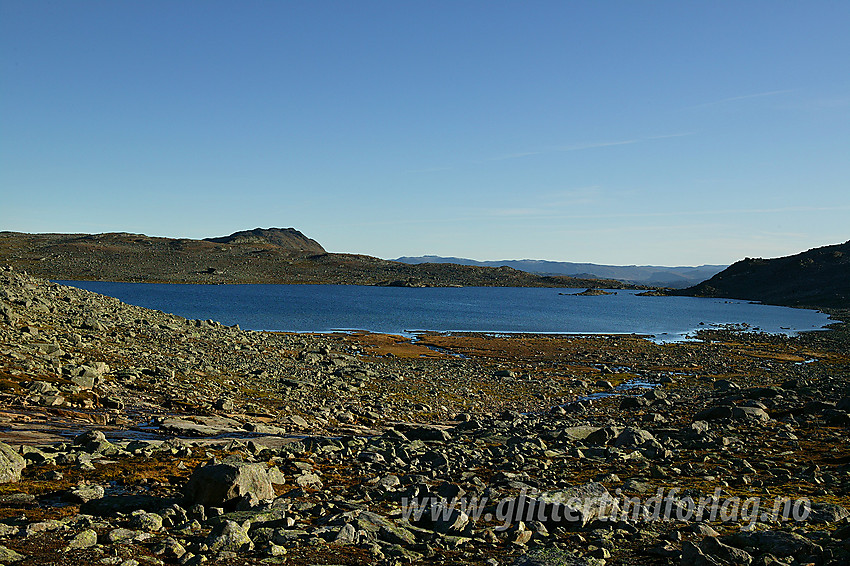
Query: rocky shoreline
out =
(132, 436)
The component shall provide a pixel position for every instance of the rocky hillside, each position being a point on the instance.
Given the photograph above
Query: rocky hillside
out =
(254, 256)
(819, 277)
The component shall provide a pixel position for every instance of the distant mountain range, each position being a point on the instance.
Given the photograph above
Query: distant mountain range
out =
(653, 275)
(819, 277)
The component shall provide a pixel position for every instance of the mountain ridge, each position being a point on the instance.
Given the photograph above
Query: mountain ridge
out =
(660, 276)
(274, 255)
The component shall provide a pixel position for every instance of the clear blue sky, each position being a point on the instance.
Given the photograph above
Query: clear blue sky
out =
(671, 133)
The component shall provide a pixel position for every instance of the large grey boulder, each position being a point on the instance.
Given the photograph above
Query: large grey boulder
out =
(224, 484)
(85, 539)
(425, 432)
(632, 437)
(777, 543)
(11, 464)
(85, 493)
(575, 505)
(826, 513)
(693, 556)
(229, 536)
(384, 529)
(344, 535)
(603, 435)
(726, 554)
(9, 555)
(750, 414)
(7, 314)
(95, 442)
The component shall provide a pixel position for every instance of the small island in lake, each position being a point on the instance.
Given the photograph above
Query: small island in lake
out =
(590, 293)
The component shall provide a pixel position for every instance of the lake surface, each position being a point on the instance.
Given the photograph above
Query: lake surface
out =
(324, 308)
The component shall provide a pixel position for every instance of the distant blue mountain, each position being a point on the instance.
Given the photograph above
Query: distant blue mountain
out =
(676, 277)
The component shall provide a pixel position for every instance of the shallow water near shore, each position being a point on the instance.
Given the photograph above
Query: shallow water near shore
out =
(326, 308)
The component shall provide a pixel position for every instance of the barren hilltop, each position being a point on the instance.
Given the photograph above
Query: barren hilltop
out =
(284, 238)
(274, 255)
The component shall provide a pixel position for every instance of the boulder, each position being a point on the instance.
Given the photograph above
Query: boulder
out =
(655, 395)
(11, 464)
(383, 528)
(427, 433)
(750, 414)
(346, 534)
(725, 385)
(573, 433)
(575, 505)
(276, 476)
(145, 521)
(85, 493)
(126, 536)
(83, 381)
(7, 314)
(826, 513)
(777, 543)
(224, 484)
(9, 555)
(713, 548)
(632, 437)
(85, 539)
(200, 425)
(714, 413)
(94, 442)
(299, 421)
(632, 402)
(693, 556)
(309, 480)
(603, 435)
(229, 536)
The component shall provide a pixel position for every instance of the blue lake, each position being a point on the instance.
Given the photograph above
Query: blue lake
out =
(324, 308)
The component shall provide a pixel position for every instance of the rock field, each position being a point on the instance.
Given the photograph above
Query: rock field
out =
(135, 437)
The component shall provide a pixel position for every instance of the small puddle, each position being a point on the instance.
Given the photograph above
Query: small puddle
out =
(149, 431)
(618, 391)
(441, 350)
